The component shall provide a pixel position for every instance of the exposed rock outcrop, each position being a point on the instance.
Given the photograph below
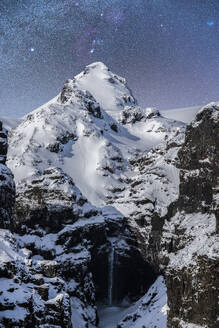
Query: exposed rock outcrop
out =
(7, 186)
(199, 163)
(3, 144)
(133, 114)
(49, 202)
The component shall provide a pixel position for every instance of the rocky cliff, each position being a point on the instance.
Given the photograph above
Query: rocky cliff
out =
(109, 196)
(7, 186)
(192, 283)
(176, 222)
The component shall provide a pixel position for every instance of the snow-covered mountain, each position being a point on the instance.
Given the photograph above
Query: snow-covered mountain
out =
(76, 132)
(109, 196)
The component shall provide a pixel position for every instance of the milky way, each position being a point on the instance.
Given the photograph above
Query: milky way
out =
(167, 49)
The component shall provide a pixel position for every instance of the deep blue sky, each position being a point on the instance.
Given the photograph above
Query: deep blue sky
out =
(168, 50)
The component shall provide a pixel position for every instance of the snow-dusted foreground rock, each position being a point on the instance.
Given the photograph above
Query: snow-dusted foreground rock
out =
(109, 196)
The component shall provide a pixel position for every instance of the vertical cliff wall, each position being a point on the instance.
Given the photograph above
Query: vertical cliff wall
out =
(191, 277)
(7, 186)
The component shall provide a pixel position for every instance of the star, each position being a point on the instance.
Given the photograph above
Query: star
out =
(96, 43)
(210, 23)
(134, 38)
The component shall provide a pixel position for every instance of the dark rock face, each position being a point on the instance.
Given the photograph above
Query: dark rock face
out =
(3, 144)
(45, 203)
(193, 288)
(132, 276)
(132, 114)
(199, 163)
(192, 294)
(7, 187)
(120, 261)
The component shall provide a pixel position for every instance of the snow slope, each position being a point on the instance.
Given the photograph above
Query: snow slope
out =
(185, 115)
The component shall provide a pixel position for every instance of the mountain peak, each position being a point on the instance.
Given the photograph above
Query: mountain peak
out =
(98, 66)
(110, 90)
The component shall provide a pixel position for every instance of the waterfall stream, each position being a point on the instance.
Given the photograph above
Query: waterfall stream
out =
(111, 273)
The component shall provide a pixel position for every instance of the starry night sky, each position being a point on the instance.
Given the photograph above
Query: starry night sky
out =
(168, 50)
